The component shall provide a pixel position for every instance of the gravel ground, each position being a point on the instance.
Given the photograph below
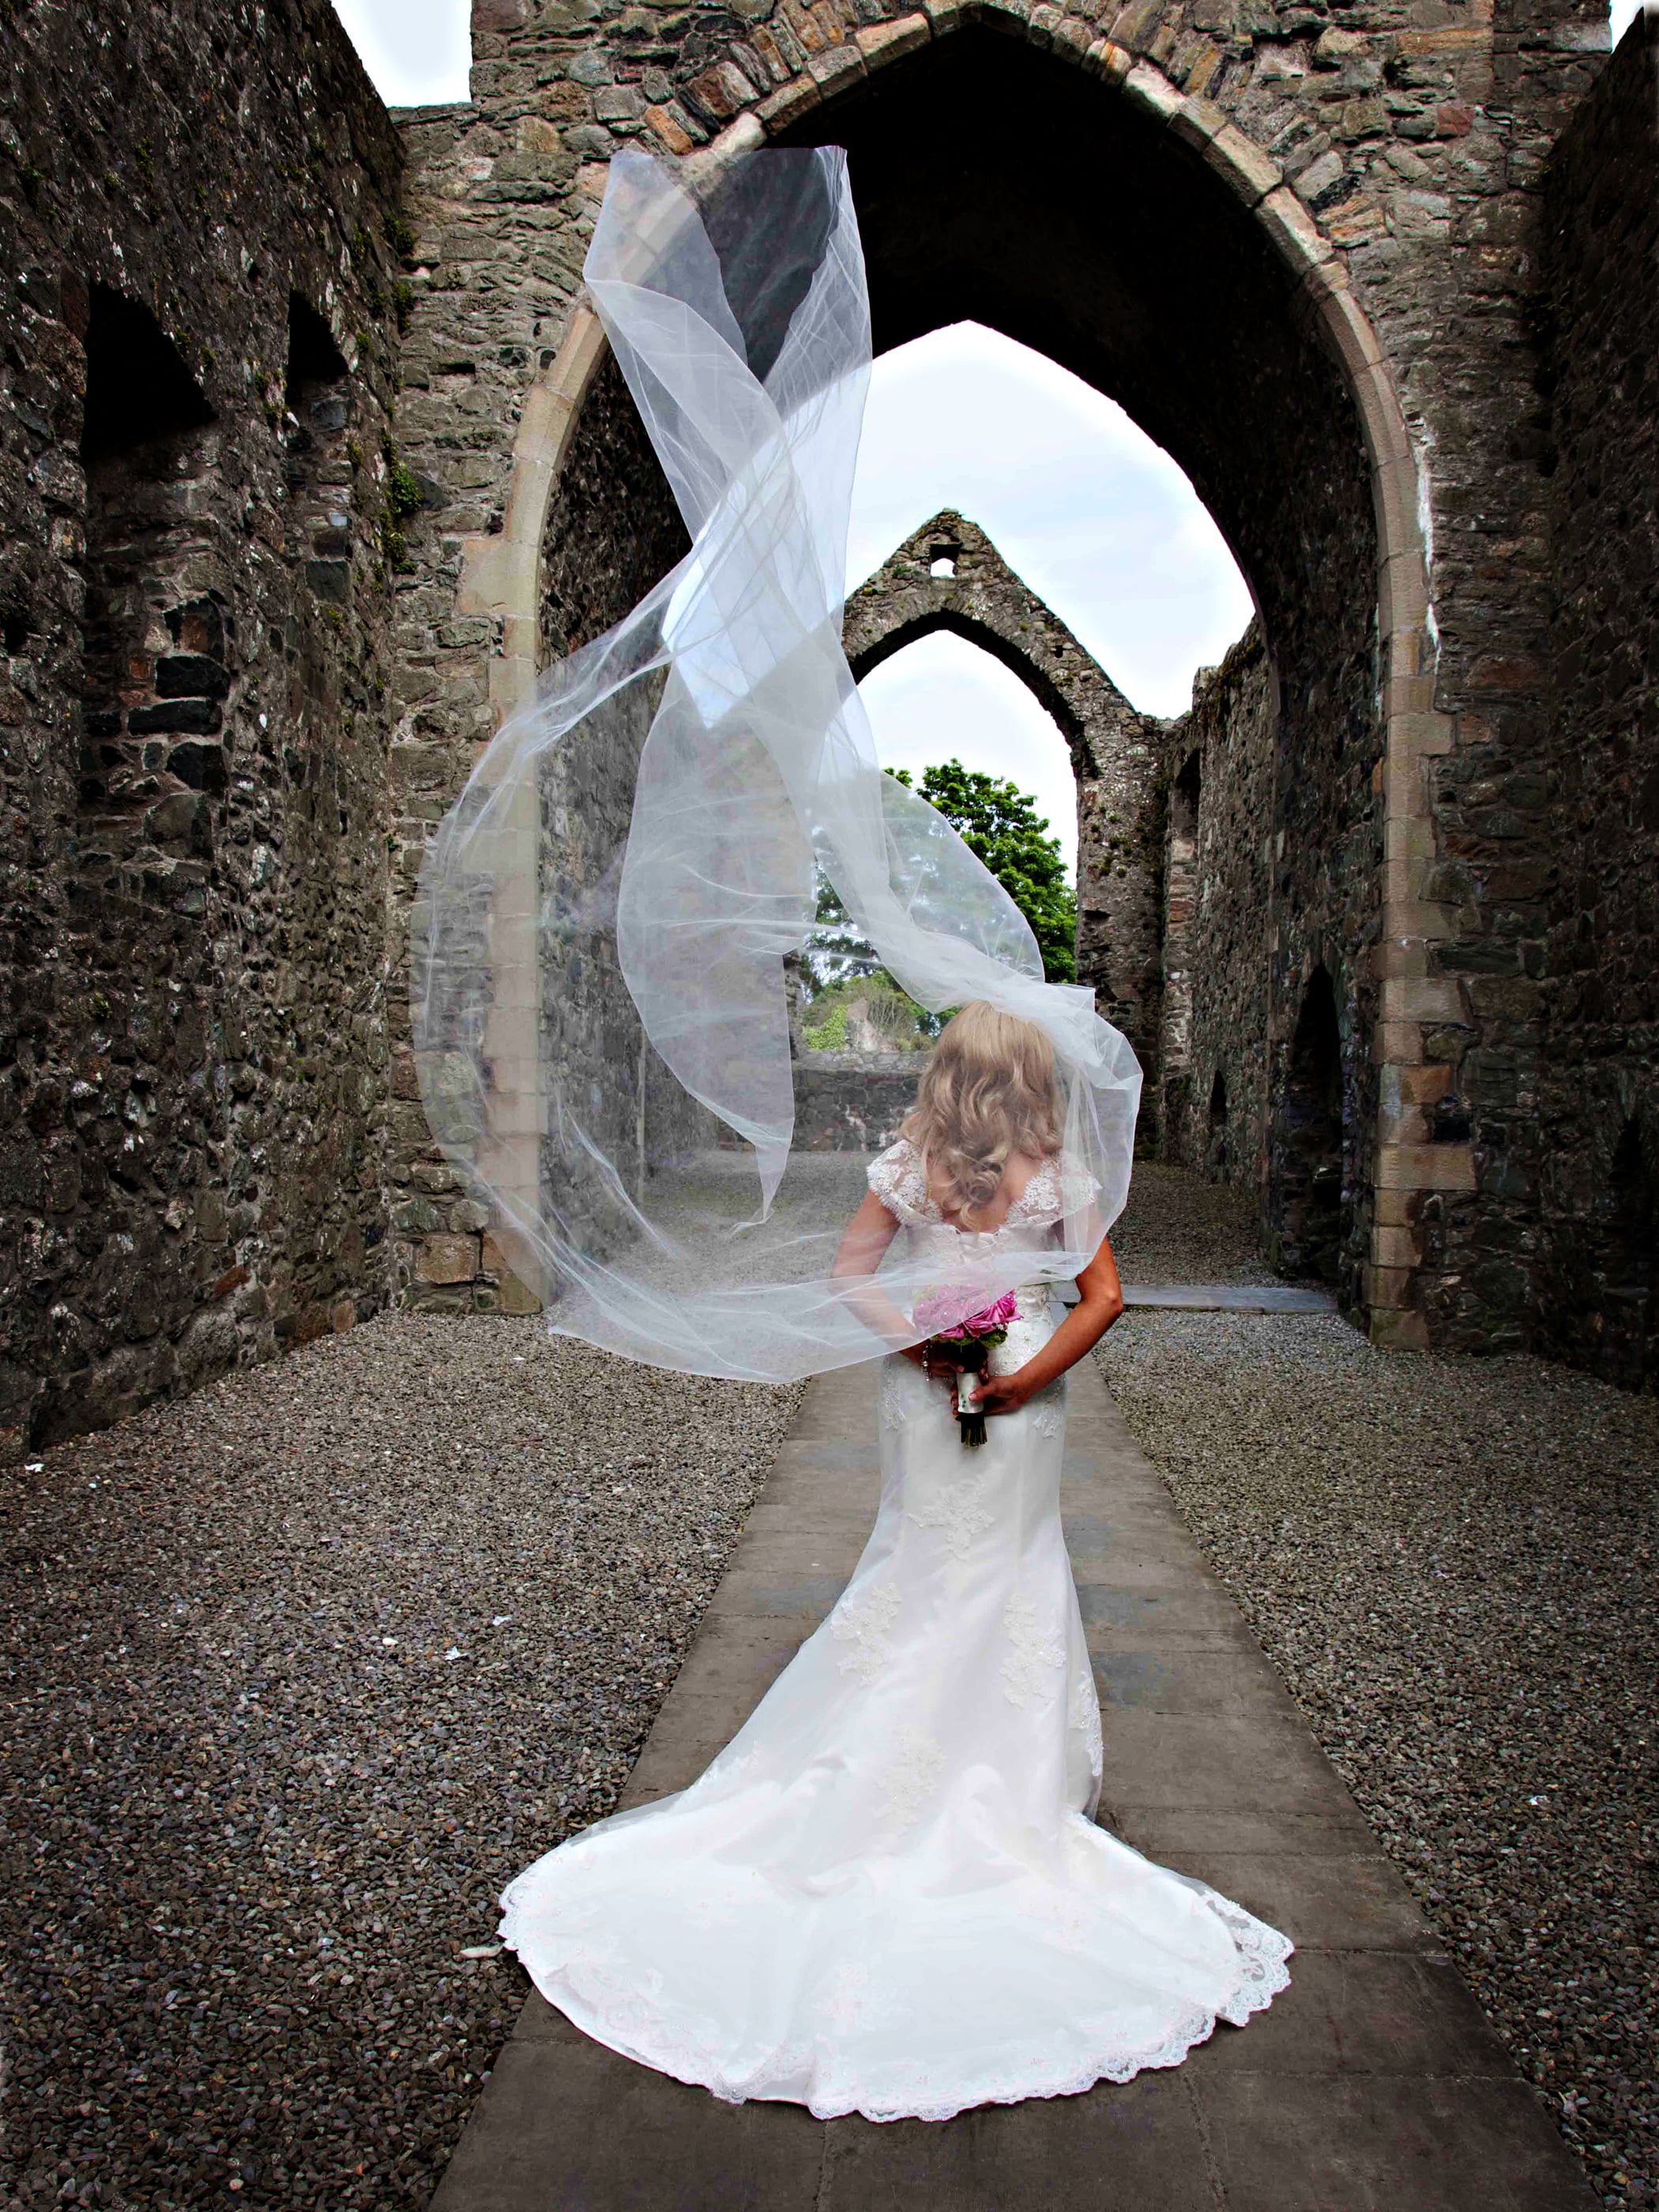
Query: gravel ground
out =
(1452, 1563)
(1175, 1229)
(296, 1672)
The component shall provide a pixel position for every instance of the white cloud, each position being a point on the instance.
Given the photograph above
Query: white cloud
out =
(1622, 15)
(418, 52)
(1098, 521)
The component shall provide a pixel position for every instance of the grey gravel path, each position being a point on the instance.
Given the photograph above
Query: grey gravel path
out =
(1452, 1563)
(294, 1674)
(1176, 1229)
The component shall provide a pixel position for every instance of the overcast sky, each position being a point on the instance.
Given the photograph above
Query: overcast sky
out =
(1098, 521)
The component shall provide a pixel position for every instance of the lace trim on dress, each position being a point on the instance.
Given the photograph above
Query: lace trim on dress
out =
(864, 1621)
(584, 1984)
(897, 1179)
(1036, 1657)
(959, 1508)
(1062, 1185)
(1083, 1718)
(1050, 1409)
(913, 1778)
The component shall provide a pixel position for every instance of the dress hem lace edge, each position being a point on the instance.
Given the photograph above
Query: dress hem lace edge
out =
(1248, 1999)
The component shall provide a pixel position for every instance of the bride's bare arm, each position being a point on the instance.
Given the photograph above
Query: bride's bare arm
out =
(1100, 1301)
(869, 1233)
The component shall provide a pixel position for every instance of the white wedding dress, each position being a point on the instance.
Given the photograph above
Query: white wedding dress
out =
(887, 1895)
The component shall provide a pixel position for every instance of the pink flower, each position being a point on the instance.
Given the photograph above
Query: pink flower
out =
(930, 1311)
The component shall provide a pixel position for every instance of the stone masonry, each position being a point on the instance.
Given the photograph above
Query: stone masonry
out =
(198, 474)
(1218, 769)
(303, 459)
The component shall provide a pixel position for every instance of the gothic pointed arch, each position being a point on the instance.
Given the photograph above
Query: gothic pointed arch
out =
(949, 576)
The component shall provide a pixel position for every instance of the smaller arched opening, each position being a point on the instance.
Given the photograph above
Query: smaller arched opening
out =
(317, 406)
(1630, 1265)
(1305, 1210)
(942, 558)
(154, 667)
(947, 581)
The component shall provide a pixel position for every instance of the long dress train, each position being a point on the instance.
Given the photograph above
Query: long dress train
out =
(886, 1895)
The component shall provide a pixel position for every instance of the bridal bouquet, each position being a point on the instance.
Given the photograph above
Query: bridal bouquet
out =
(967, 1345)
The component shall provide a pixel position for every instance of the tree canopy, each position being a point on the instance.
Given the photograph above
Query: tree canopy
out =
(999, 824)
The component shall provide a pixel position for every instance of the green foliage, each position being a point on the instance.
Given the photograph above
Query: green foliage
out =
(901, 1024)
(403, 498)
(402, 489)
(999, 824)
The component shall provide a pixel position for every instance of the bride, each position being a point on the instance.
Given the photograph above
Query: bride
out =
(887, 1895)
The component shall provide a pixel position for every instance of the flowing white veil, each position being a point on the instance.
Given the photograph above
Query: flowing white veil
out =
(600, 1014)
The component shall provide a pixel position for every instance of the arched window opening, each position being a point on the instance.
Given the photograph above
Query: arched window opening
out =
(1631, 1261)
(937, 700)
(316, 399)
(154, 668)
(1218, 1100)
(1307, 1152)
(942, 560)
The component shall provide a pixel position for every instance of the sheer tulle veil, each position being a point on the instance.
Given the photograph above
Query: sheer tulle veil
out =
(600, 1011)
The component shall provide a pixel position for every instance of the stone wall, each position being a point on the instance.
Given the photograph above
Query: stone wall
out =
(1266, 1061)
(1295, 244)
(199, 232)
(852, 1102)
(1220, 777)
(1088, 255)
(1580, 1120)
(1113, 749)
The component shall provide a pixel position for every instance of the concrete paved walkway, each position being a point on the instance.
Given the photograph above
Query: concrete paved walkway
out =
(1230, 1297)
(1374, 2081)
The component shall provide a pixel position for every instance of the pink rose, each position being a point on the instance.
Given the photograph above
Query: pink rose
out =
(930, 1311)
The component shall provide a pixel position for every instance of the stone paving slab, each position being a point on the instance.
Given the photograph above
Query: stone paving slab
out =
(1230, 1297)
(1373, 2084)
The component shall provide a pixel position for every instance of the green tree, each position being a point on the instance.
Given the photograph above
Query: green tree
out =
(999, 824)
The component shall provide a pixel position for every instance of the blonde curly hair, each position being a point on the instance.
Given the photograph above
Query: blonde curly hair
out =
(988, 1092)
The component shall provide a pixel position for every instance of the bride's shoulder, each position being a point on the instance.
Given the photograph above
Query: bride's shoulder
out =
(898, 1181)
(1059, 1183)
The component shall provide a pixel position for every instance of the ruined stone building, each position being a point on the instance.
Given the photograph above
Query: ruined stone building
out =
(311, 453)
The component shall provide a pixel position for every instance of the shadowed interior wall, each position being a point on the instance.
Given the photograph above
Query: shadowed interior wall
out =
(1217, 905)
(1580, 1116)
(611, 531)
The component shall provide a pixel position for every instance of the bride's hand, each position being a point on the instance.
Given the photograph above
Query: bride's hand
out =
(936, 1370)
(1001, 1394)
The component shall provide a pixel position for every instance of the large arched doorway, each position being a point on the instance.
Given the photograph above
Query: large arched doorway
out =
(1118, 251)
(1154, 252)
